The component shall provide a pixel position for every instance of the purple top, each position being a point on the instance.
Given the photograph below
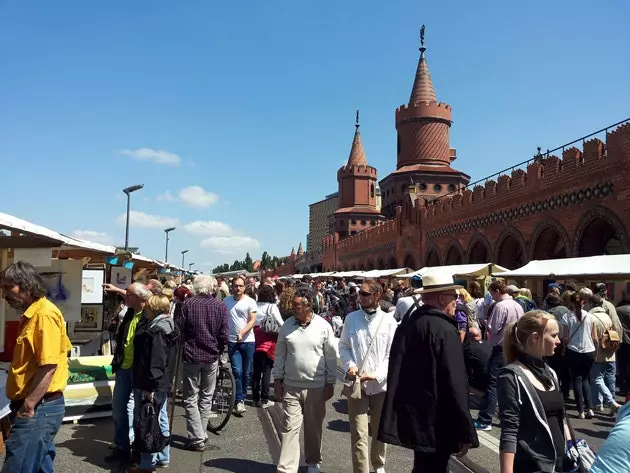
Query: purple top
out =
(203, 322)
(461, 319)
(503, 313)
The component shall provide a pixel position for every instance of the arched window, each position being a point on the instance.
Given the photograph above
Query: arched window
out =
(372, 191)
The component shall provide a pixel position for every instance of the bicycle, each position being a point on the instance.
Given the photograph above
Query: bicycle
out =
(224, 396)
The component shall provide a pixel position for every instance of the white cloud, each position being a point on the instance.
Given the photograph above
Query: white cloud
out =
(93, 236)
(191, 196)
(208, 227)
(167, 196)
(140, 219)
(230, 244)
(154, 155)
(196, 196)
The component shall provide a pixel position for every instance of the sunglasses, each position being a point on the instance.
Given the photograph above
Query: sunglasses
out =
(365, 294)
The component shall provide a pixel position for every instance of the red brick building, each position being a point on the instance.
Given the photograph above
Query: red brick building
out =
(575, 204)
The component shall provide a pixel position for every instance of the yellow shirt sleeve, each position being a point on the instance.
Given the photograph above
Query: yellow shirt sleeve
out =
(49, 340)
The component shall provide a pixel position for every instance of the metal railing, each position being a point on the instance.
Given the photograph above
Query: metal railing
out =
(538, 157)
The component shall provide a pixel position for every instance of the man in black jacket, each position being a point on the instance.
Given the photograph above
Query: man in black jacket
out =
(426, 406)
(136, 297)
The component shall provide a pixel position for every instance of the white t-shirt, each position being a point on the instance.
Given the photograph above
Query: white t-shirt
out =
(239, 315)
(404, 303)
(580, 333)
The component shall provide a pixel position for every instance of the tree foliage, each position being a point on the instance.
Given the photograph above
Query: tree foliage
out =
(247, 264)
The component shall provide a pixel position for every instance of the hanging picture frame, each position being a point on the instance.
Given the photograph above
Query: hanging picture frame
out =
(92, 286)
(91, 318)
(120, 277)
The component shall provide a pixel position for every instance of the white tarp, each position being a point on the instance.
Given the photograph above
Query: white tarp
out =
(462, 270)
(595, 266)
(383, 273)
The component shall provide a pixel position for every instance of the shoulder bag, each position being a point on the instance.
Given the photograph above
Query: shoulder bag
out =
(352, 389)
(579, 451)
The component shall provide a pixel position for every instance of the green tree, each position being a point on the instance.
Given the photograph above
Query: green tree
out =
(248, 264)
(265, 261)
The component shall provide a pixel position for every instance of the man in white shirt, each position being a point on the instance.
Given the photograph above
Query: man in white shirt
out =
(408, 304)
(241, 344)
(364, 346)
(304, 372)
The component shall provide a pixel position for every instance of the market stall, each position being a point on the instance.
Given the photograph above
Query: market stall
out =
(466, 271)
(585, 271)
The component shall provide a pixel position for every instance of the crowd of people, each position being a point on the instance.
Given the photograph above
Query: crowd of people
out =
(412, 353)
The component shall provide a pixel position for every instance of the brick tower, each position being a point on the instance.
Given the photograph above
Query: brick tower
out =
(357, 201)
(424, 155)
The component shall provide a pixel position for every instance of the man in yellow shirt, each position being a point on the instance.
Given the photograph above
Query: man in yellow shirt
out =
(136, 297)
(38, 374)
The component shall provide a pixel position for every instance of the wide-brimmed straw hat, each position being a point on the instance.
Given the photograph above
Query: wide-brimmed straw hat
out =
(437, 281)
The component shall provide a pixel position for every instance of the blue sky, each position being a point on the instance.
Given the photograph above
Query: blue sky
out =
(236, 115)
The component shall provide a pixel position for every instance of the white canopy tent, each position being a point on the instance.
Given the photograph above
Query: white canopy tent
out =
(460, 270)
(591, 267)
(383, 273)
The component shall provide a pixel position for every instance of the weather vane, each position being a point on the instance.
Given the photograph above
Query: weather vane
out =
(357, 120)
(422, 36)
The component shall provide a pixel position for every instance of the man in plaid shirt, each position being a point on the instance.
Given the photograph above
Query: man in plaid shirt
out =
(203, 323)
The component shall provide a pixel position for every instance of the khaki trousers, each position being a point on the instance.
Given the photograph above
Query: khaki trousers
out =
(301, 405)
(358, 410)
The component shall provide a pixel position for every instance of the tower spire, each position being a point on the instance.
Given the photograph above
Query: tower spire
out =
(422, 90)
(357, 155)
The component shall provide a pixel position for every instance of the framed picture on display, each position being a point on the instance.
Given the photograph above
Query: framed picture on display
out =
(120, 277)
(92, 286)
(91, 319)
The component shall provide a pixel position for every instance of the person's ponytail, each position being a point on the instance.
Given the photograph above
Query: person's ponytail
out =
(510, 343)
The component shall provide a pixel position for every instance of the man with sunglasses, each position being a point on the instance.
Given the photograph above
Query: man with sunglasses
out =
(426, 404)
(364, 346)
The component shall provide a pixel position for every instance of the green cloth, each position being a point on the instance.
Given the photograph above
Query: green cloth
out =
(128, 346)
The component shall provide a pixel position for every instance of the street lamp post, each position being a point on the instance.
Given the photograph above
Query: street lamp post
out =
(190, 265)
(167, 231)
(183, 257)
(128, 191)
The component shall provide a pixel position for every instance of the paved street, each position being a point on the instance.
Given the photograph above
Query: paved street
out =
(250, 444)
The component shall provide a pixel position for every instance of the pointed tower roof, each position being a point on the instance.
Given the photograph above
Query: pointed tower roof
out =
(422, 90)
(300, 251)
(357, 155)
(292, 252)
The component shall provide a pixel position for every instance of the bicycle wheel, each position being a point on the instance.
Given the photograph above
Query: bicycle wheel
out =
(223, 400)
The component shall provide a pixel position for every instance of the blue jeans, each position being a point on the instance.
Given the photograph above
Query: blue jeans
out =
(149, 461)
(603, 382)
(122, 409)
(31, 445)
(241, 359)
(489, 401)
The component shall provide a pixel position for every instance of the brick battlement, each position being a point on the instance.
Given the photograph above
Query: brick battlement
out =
(424, 109)
(380, 233)
(357, 171)
(597, 160)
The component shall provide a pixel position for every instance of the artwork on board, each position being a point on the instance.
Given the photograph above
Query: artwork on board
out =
(92, 286)
(120, 277)
(91, 318)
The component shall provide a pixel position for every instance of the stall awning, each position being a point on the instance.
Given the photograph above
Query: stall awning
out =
(460, 270)
(383, 273)
(602, 267)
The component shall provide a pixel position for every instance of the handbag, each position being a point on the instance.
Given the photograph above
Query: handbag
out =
(269, 323)
(148, 433)
(352, 390)
(579, 451)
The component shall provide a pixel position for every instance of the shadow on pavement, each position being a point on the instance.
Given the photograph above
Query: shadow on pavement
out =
(341, 406)
(339, 425)
(240, 466)
(602, 434)
(92, 445)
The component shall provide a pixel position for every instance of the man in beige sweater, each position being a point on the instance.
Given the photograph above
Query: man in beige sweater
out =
(304, 372)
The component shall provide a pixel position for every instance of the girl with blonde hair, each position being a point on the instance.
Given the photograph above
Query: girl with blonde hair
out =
(531, 406)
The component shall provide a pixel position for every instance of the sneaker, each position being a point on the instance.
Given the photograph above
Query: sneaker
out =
(380, 469)
(581, 415)
(240, 408)
(614, 407)
(482, 426)
(195, 446)
(162, 465)
(599, 408)
(590, 414)
(313, 469)
(267, 404)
